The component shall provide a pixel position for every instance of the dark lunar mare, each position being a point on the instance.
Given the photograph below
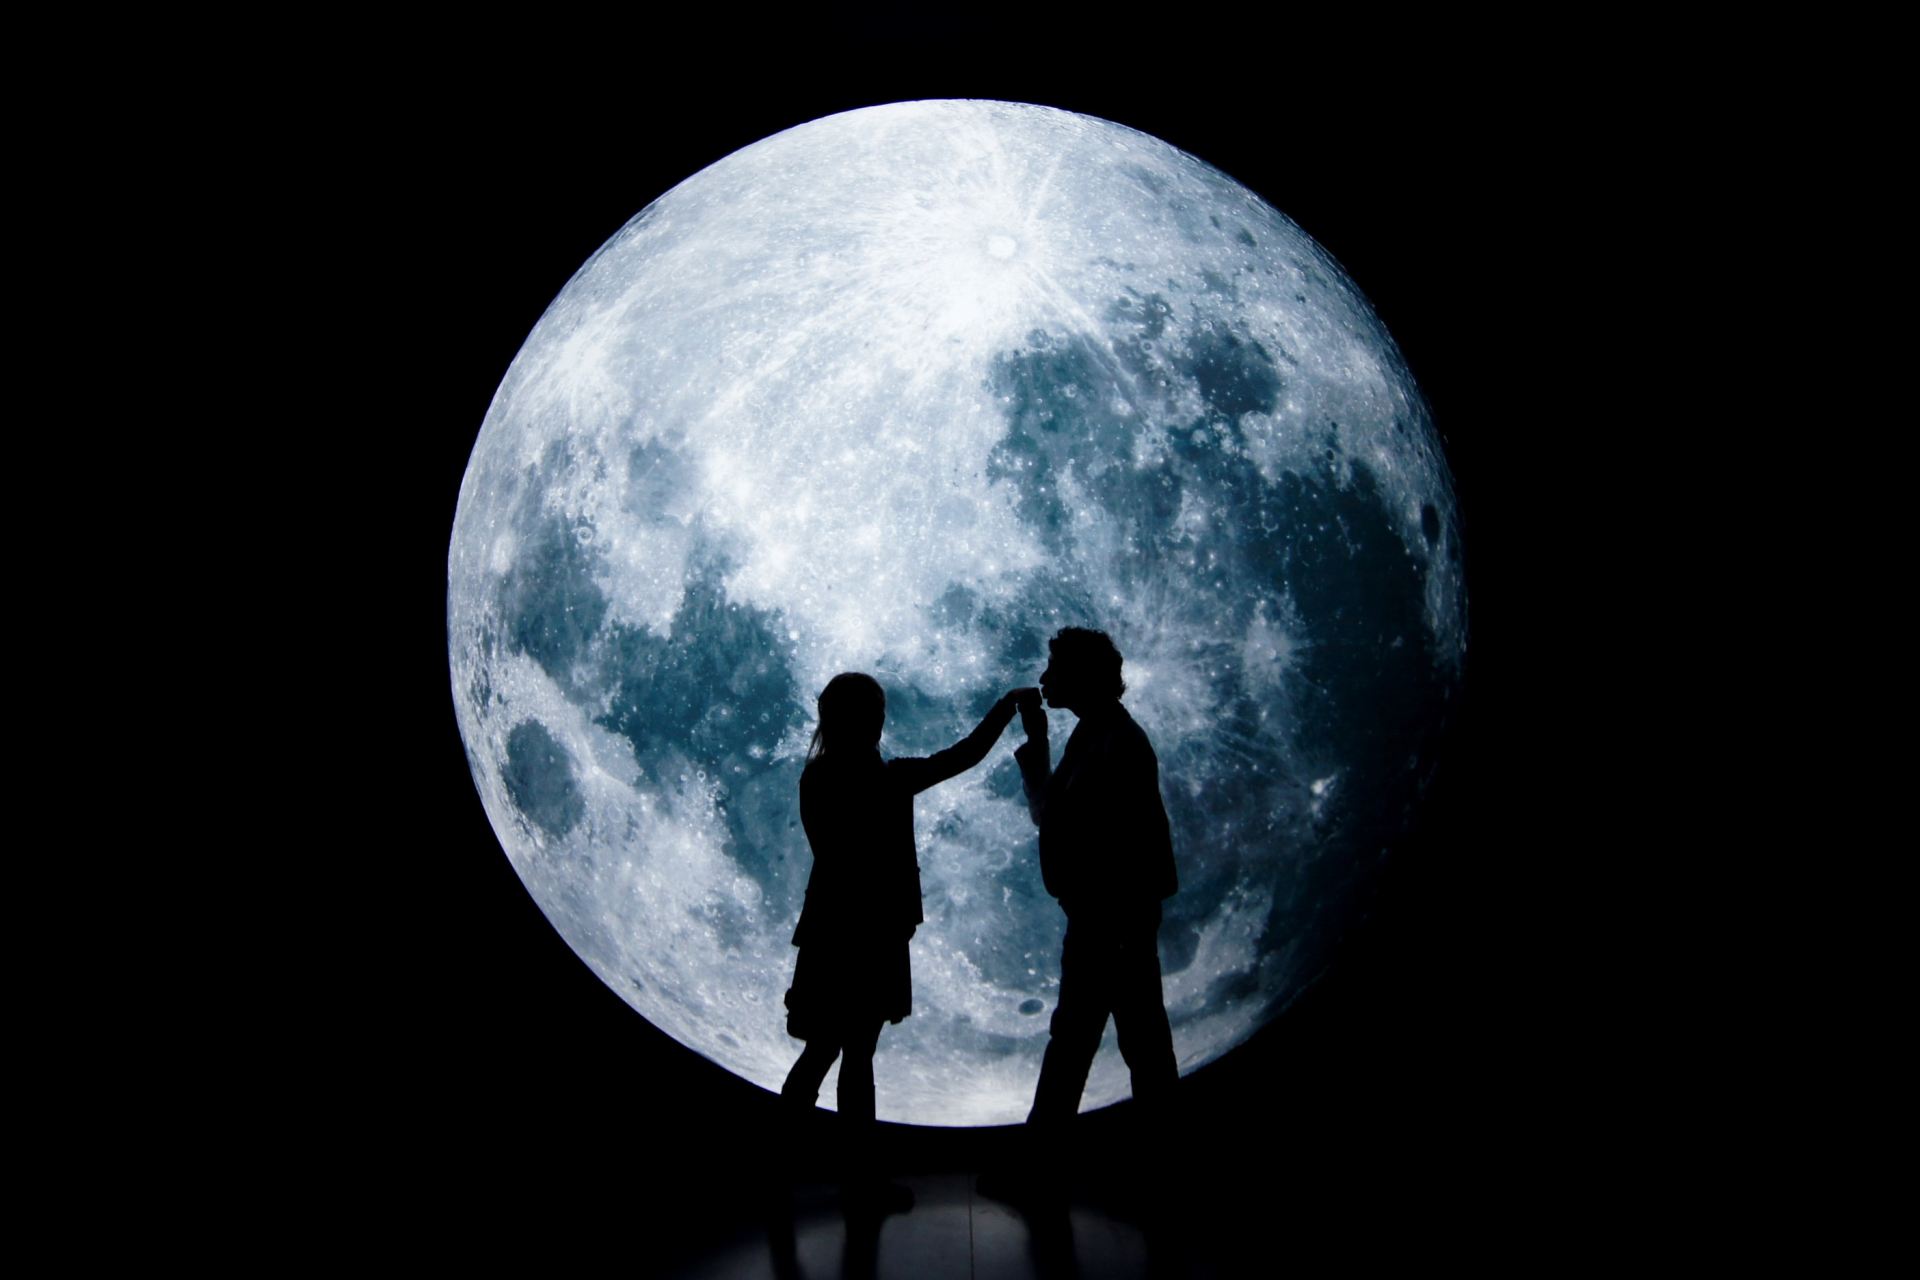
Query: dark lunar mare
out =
(539, 776)
(705, 704)
(717, 693)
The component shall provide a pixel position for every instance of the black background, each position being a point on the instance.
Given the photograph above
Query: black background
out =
(1459, 1052)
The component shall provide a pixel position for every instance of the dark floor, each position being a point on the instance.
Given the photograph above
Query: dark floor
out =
(1220, 1198)
(952, 1232)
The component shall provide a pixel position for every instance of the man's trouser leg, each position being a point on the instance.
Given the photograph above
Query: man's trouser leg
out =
(1146, 1038)
(1079, 1018)
(1140, 1019)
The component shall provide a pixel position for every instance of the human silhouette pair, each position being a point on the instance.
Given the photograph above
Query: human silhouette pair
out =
(1106, 854)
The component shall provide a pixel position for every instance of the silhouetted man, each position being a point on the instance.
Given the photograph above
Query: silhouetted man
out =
(1106, 853)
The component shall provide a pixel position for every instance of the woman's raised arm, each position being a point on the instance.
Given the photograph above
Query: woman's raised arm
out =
(919, 773)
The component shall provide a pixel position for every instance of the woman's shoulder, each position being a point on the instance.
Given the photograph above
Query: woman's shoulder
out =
(831, 771)
(819, 775)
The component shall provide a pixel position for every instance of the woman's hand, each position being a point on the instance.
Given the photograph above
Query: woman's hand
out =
(1027, 702)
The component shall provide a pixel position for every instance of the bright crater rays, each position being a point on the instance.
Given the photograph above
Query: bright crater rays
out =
(905, 390)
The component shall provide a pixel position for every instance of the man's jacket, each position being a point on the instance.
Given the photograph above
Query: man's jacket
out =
(1105, 847)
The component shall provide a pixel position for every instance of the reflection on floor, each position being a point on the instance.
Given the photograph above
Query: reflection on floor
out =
(953, 1231)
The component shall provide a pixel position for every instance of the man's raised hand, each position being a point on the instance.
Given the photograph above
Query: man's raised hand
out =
(1033, 714)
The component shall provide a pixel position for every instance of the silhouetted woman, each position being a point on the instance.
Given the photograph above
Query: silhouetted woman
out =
(863, 897)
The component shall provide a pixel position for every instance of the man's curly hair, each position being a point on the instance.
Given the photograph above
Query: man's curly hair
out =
(1093, 653)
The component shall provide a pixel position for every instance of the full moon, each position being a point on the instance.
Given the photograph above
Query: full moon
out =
(904, 391)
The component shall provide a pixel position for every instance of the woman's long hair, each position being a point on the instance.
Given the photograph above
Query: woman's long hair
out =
(853, 706)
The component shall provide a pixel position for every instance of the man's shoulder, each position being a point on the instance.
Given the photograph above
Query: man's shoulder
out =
(1127, 734)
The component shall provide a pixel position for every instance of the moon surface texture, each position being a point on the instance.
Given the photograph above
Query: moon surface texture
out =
(906, 390)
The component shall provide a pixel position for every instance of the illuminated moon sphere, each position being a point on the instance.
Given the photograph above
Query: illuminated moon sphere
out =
(904, 391)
